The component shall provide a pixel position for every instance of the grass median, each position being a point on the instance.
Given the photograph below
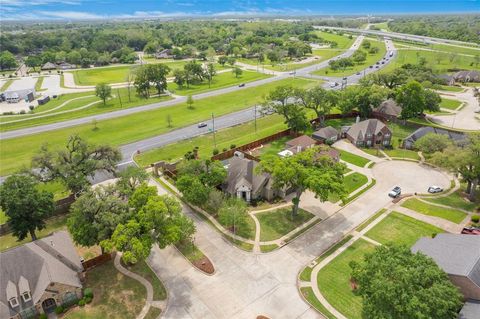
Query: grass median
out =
(17, 152)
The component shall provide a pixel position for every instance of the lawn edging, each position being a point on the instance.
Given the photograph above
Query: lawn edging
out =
(196, 266)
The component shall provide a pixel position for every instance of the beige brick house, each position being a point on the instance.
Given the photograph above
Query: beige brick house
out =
(39, 276)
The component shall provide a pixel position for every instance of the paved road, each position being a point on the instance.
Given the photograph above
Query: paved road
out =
(245, 284)
(404, 36)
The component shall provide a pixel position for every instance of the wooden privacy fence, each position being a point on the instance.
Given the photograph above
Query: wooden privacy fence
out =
(96, 261)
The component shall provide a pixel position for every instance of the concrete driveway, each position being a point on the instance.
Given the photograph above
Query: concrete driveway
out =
(466, 117)
(246, 285)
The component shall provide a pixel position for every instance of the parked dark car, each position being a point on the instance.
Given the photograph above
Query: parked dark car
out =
(241, 85)
(471, 230)
(200, 125)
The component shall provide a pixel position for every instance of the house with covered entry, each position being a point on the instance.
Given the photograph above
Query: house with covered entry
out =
(369, 133)
(37, 277)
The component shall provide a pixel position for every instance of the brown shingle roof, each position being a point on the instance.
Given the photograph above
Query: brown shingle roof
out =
(304, 141)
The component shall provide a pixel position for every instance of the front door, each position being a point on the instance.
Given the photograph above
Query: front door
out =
(49, 305)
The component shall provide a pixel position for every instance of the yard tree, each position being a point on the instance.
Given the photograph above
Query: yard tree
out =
(190, 102)
(222, 60)
(129, 179)
(432, 100)
(390, 80)
(346, 102)
(281, 100)
(157, 74)
(237, 71)
(211, 72)
(367, 98)
(431, 143)
(318, 99)
(396, 283)
(231, 60)
(193, 190)
(464, 161)
(210, 173)
(103, 91)
(233, 214)
(33, 62)
(414, 99)
(95, 215)
(75, 164)
(141, 196)
(179, 77)
(366, 44)
(25, 206)
(307, 170)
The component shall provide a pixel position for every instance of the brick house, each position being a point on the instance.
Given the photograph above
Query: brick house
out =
(369, 133)
(39, 276)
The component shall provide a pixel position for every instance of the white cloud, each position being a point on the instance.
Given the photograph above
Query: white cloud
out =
(73, 15)
(25, 3)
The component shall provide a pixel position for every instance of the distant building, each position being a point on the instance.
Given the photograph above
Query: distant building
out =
(326, 135)
(388, 109)
(39, 276)
(467, 76)
(164, 54)
(18, 95)
(409, 141)
(369, 133)
(49, 66)
(66, 66)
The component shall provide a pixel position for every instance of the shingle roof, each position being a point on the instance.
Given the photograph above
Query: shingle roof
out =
(38, 266)
(470, 310)
(360, 129)
(325, 133)
(456, 136)
(455, 254)
(389, 107)
(303, 141)
(242, 169)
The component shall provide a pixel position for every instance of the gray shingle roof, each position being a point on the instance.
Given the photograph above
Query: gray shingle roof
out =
(243, 170)
(456, 136)
(360, 129)
(52, 259)
(325, 133)
(470, 310)
(455, 254)
(389, 107)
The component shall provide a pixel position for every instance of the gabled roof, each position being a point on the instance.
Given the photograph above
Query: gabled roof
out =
(422, 131)
(34, 266)
(325, 133)
(455, 254)
(462, 75)
(389, 107)
(49, 66)
(303, 141)
(360, 129)
(243, 170)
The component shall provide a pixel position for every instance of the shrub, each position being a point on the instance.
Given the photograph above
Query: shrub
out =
(225, 149)
(215, 151)
(81, 302)
(88, 300)
(31, 107)
(88, 293)
(59, 310)
(22, 112)
(42, 316)
(232, 146)
(475, 218)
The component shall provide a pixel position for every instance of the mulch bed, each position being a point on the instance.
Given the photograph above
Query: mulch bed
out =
(204, 265)
(262, 317)
(399, 198)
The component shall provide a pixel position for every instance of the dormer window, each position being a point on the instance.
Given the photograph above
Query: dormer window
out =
(13, 302)
(26, 296)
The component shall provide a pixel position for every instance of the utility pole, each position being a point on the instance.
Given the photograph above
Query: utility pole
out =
(213, 127)
(255, 115)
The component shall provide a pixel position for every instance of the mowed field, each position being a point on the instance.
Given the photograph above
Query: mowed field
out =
(19, 151)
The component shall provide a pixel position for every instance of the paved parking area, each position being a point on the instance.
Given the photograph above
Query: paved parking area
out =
(246, 285)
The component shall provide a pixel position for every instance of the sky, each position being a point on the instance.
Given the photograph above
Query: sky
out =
(110, 9)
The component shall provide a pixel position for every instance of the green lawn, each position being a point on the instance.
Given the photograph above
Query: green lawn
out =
(402, 153)
(325, 54)
(115, 295)
(141, 268)
(3, 217)
(450, 88)
(334, 280)
(352, 182)
(277, 223)
(273, 148)
(219, 81)
(455, 200)
(120, 100)
(38, 84)
(307, 292)
(268, 248)
(444, 48)
(353, 159)
(401, 229)
(18, 152)
(53, 224)
(370, 220)
(153, 313)
(382, 26)
(452, 215)
(6, 84)
(450, 104)
(343, 41)
(405, 56)
(57, 188)
(371, 59)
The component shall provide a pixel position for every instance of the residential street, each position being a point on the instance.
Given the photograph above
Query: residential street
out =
(246, 285)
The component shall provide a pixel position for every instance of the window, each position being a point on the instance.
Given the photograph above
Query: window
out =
(385, 143)
(369, 135)
(26, 296)
(13, 302)
(387, 134)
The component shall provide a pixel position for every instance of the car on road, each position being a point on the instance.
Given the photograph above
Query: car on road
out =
(200, 125)
(333, 84)
(359, 73)
(371, 66)
(241, 85)
(435, 189)
(471, 230)
(292, 73)
(395, 192)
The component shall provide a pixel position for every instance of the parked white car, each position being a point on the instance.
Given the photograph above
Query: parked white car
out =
(435, 189)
